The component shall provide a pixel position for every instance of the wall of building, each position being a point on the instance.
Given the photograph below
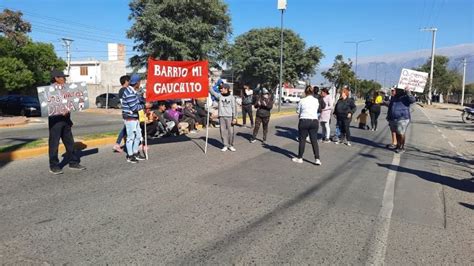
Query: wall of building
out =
(93, 73)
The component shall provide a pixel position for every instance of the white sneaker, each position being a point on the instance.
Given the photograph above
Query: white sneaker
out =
(224, 149)
(231, 148)
(348, 143)
(297, 160)
(193, 132)
(317, 162)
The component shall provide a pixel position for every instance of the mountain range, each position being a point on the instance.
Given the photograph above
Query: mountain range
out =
(386, 69)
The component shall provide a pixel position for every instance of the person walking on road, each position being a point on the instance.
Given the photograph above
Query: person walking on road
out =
(308, 125)
(399, 115)
(227, 112)
(264, 105)
(247, 102)
(374, 110)
(393, 133)
(325, 117)
(60, 127)
(345, 108)
(131, 105)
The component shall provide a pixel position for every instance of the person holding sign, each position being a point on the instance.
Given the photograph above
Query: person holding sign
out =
(227, 112)
(60, 128)
(263, 104)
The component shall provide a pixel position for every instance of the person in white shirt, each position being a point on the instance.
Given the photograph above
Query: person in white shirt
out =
(308, 125)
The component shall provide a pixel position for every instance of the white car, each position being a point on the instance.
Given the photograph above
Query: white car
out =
(291, 98)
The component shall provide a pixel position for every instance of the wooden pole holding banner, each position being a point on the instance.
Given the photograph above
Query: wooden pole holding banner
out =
(207, 124)
(145, 148)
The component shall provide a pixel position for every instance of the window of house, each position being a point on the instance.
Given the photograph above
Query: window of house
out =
(84, 71)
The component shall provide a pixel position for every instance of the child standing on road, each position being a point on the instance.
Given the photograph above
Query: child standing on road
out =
(227, 112)
(362, 117)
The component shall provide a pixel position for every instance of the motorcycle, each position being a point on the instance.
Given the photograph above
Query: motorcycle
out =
(467, 114)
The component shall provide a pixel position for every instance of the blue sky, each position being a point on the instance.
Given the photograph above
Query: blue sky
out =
(392, 24)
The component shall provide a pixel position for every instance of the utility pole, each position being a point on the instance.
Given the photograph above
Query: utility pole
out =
(357, 51)
(433, 43)
(464, 63)
(281, 5)
(67, 43)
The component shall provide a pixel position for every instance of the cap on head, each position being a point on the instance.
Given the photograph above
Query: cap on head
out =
(55, 73)
(134, 79)
(265, 91)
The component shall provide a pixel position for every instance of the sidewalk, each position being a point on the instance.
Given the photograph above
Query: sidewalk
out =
(11, 121)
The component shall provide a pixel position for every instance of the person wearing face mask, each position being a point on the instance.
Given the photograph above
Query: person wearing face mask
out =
(247, 101)
(263, 104)
(345, 108)
(227, 112)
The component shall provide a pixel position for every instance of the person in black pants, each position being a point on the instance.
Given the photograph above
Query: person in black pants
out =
(345, 108)
(308, 125)
(247, 101)
(264, 105)
(374, 110)
(60, 128)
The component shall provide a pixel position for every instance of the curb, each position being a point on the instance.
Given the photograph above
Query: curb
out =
(21, 154)
(13, 124)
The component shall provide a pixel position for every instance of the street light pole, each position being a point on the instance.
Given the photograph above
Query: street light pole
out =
(67, 43)
(357, 51)
(433, 43)
(464, 63)
(281, 5)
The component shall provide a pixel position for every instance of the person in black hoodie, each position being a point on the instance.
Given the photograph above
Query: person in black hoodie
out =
(345, 108)
(263, 104)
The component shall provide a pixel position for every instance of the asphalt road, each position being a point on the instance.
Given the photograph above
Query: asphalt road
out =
(365, 204)
(84, 123)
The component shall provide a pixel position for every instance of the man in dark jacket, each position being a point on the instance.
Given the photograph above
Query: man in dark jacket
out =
(399, 115)
(263, 104)
(60, 128)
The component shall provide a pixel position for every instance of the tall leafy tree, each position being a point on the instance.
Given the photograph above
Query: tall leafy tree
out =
(367, 87)
(24, 64)
(178, 29)
(255, 57)
(444, 79)
(340, 73)
(14, 27)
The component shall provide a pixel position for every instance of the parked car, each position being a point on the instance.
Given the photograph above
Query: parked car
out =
(20, 105)
(291, 98)
(114, 101)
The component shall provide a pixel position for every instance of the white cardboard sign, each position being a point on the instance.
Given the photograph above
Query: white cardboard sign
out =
(413, 80)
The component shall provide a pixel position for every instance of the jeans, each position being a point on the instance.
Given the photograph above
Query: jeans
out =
(305, 127)
(121, 135)
(227, 131)
(261, 120)
(344, 124)
(61, 130)
(134, 135)
(326, 130)
(247, 109)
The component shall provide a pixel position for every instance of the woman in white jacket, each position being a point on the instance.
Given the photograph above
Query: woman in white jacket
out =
(308, 125)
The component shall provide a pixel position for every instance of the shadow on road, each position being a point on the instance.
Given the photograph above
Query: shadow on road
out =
(467, 205)
(286, 132)
(279, 150)
(6, 156)
(463, 185)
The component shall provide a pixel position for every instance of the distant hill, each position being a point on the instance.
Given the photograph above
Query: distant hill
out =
(390, 65)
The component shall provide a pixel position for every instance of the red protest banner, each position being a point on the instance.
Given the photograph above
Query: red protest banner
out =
(176, 80)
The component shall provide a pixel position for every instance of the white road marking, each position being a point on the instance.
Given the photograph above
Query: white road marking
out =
(451, 144)
(444, 137)
(459, 154)
(378, 246)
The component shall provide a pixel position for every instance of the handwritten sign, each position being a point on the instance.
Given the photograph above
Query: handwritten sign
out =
(176, 80)
(414, 80)
(55, 99)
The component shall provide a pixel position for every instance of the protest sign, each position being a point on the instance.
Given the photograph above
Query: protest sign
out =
(55, 99)
(413, 80)
(176, 80)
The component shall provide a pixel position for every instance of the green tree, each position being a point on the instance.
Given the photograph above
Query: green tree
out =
(13, 27)
(255, 57)
(340, 73)
(444, 79)
(14, 74)
(367, 87)
(29, 62)
(178, 29)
